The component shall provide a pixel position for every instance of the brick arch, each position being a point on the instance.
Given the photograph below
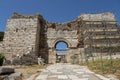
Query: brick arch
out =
(61, 40)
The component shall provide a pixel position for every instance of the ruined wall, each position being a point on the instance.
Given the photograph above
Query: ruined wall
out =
(1, 47)
(32, 34)
(107, 16)
(20, 35)
(101, 34)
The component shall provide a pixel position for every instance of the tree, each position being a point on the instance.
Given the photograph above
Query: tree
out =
(1, 36)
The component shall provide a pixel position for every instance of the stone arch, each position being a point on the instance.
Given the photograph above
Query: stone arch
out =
(55, 46)
(61, 40)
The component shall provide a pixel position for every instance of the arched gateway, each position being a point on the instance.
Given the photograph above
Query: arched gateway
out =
(34, 36)
(61, 33)
(61, 48)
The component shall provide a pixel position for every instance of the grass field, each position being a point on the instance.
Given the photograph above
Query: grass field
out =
(105, 66)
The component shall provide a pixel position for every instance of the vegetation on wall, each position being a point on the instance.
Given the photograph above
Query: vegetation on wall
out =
(1, 59)
(1, 36)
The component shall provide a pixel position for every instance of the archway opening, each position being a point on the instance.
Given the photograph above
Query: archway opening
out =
(61, 51)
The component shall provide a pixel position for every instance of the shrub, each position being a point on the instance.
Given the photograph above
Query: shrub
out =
(1, 36)
(1, 59)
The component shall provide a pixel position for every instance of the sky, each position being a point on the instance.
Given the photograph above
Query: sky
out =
(61, 47)
(56, 10)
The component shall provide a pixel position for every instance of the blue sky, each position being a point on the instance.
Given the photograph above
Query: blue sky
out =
(56, 10)
(61, 46)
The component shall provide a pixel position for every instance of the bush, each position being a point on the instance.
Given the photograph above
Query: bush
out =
(1, 36)
(1, 59)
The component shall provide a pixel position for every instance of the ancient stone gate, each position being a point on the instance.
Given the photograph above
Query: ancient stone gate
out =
(32, 35)
(63, 33)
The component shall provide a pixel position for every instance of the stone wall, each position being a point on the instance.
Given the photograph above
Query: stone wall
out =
(108, 16)
(62, 32)
(1, 46)
(32, 35)
(20, 36)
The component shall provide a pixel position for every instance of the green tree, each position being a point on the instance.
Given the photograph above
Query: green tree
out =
(1, 36)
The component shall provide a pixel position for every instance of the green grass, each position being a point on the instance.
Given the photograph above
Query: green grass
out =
(105, 66)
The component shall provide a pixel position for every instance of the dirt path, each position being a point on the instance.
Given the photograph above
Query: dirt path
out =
(28, 71)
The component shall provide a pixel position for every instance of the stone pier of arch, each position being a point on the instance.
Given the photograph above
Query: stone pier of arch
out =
(71, 50)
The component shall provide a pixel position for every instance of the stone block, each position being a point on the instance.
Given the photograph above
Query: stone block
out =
(15, 76)
(6, 70)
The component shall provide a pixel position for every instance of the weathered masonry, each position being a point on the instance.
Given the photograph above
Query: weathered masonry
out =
(87, 36)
